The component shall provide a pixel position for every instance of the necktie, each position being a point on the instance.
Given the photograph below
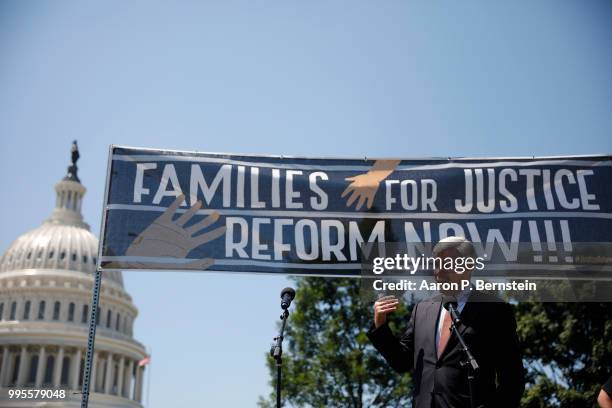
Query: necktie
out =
(444, 333)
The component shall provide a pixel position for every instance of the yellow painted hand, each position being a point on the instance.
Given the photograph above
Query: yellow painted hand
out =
(363, 187)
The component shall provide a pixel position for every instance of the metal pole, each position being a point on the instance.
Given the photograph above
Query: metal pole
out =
(276, 351)
(279, 371)
(92, 338)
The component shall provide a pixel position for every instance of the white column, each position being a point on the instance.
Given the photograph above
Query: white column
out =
(22, 366)
(5, 366)
(92, 378)
(76, 370)
(109, 371)
(57, 370)
(63, 311)
(100, 374)
(42, 365)
(19, 308)
(138, 387)
(120, 377)
(128, 379)
(11, 368)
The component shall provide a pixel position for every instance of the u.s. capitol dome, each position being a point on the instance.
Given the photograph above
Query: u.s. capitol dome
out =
(46, 279)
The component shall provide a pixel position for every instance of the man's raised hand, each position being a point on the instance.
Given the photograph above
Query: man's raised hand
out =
(382, 307)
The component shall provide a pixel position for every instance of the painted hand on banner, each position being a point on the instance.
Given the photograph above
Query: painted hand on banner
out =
(170, 238)
(363, 187)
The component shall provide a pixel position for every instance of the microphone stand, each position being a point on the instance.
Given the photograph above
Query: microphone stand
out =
(276, 351)
(470, 363)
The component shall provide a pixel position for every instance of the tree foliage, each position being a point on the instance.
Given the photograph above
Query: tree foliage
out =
(567, 352)
(328, 361)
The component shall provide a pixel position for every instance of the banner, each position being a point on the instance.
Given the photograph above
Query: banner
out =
(312, 216)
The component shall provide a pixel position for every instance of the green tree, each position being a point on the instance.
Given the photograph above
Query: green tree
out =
(567, 352)
(327, 360)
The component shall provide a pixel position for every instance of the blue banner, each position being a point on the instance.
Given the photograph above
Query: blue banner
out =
(274, 214)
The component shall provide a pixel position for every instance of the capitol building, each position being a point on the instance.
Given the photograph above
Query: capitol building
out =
(46, 280)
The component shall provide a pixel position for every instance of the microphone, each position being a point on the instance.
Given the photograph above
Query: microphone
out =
(449, 302)
(287, 295)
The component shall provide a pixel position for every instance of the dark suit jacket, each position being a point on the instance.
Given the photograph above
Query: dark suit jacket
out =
(489, 329)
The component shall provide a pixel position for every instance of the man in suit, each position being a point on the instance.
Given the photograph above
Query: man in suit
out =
(433, 352)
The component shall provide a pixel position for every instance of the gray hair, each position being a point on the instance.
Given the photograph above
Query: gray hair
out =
(460, 244)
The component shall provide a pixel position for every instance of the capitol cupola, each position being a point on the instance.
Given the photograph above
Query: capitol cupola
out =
(69, 195)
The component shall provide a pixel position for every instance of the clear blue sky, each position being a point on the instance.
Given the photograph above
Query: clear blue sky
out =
(320, 78)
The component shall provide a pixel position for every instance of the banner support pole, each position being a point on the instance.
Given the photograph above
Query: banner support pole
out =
(93, 316)
(95, 297)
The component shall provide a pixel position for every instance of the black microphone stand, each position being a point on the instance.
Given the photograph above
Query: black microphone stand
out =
(470, 363)
(276, 351)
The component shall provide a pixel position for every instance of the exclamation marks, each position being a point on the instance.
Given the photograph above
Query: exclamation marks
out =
(535, 241)
(550, 240)
(567, 241)
(551, 244)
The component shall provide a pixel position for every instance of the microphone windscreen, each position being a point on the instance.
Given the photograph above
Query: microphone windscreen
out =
(288, 291)
(449, 299)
